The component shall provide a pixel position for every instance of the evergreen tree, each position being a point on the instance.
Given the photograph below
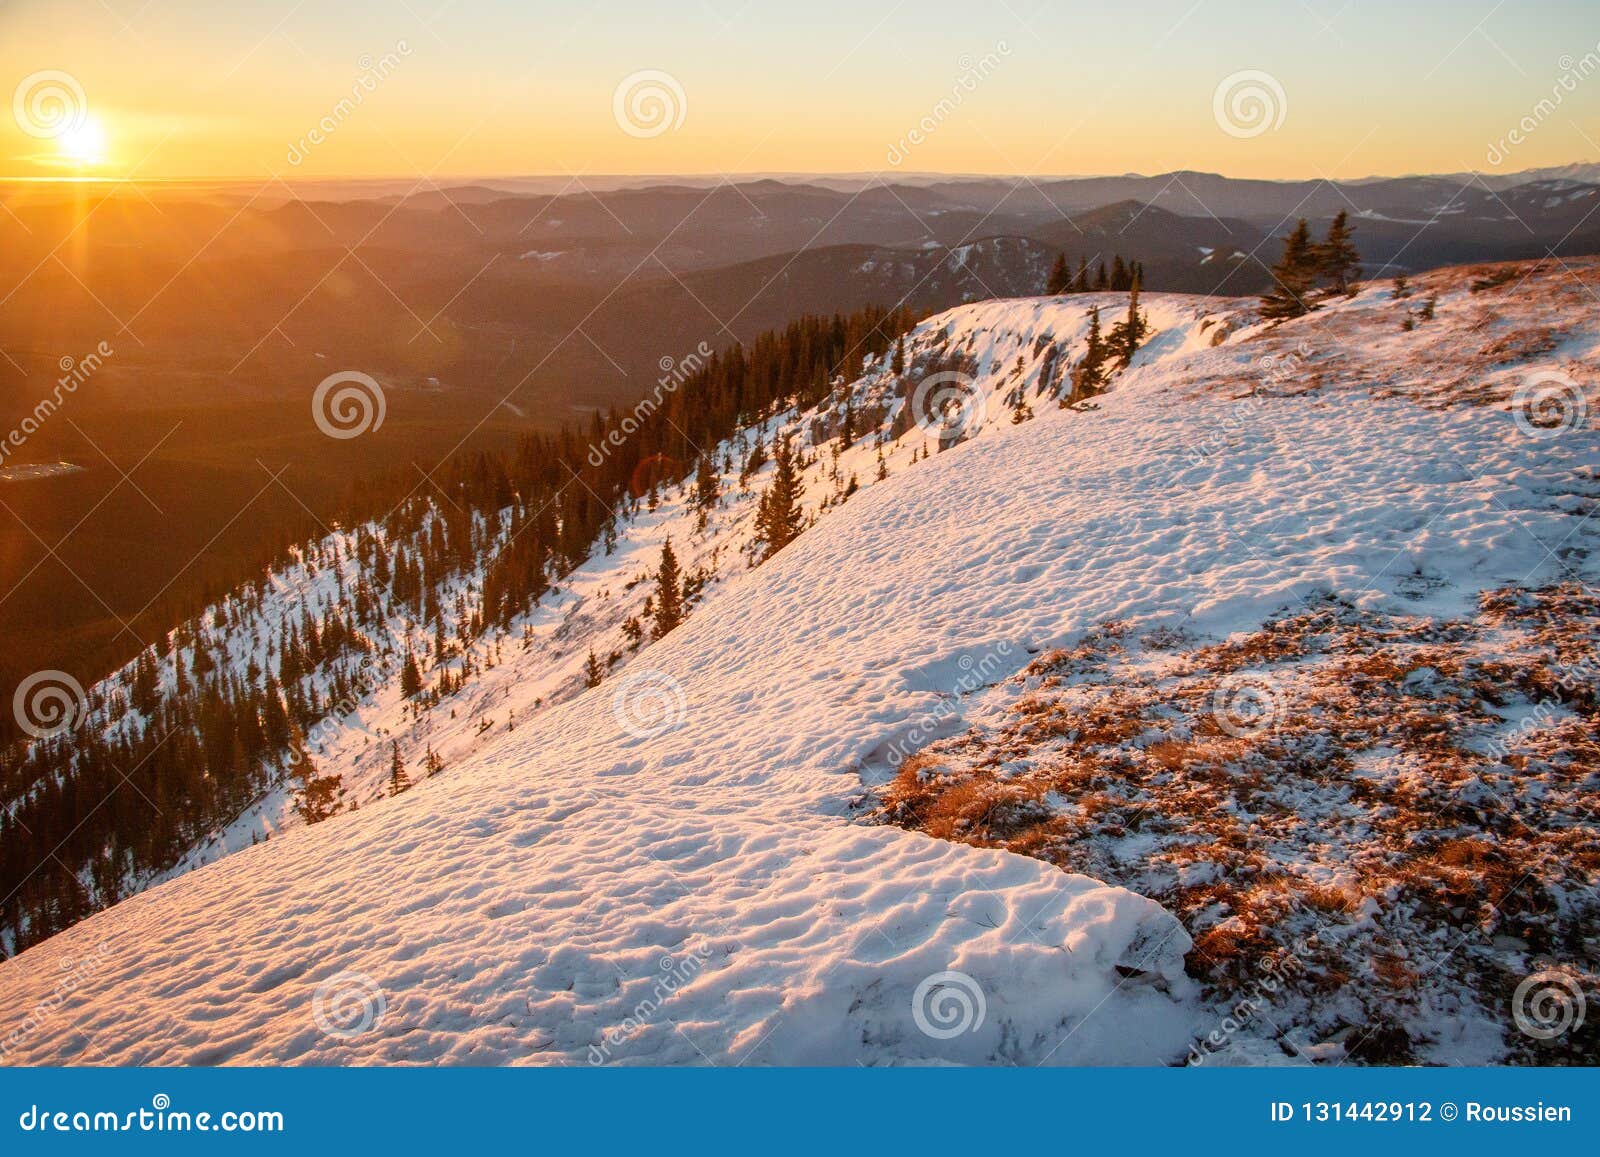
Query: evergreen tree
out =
(753, 464)
(897, 365)
(669, 593)
(593, 672)
(1089, 375)
(707, 489)
(399, 781)
(1060, 276)
(432, 763)
(1338, 263)
(778, 519)
(317, 797)
(1292, 278)
(1020, 410)
(1080, 283)
(410, 677)
(1127, 336)
(1102, 281)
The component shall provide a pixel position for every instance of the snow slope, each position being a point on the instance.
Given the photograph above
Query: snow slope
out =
(541, 661)
(533, 904)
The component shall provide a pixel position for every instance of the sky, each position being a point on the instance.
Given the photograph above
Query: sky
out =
(253, 89)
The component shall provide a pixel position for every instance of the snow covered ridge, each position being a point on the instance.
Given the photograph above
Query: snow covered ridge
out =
(576, 890)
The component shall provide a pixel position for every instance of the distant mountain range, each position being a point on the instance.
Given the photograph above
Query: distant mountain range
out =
(579, 293)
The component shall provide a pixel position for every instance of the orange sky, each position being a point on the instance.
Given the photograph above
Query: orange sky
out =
(263, 88)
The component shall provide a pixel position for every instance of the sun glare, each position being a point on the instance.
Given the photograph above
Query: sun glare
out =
(84, 144)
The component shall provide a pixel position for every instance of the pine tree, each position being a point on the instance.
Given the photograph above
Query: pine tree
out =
(1080, 283)
(1337, 260)
(399, 781)
(1020, 410)
(1060, 276)
(1127, 336)
(1292, 277)
(707, 489)
(431, 762)
(1101, 281)
(317, 797)
(669, 593)
(897, 364)
(593, 672)
(410, 677)
(1089, 376)
(778, 519)
(753, 464)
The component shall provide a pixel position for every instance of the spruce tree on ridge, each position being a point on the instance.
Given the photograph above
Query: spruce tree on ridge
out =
(1292, 278)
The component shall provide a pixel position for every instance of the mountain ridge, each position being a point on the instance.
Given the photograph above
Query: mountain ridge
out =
(790, 692)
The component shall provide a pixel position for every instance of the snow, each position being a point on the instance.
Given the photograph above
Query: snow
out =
(525, 906)
(30, 472)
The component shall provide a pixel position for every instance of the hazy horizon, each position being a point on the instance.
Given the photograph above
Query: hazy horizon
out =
(599, 181)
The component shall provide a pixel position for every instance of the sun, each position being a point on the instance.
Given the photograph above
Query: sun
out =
(84, 144)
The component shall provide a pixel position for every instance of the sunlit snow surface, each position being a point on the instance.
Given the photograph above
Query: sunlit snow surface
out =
(572, 893)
